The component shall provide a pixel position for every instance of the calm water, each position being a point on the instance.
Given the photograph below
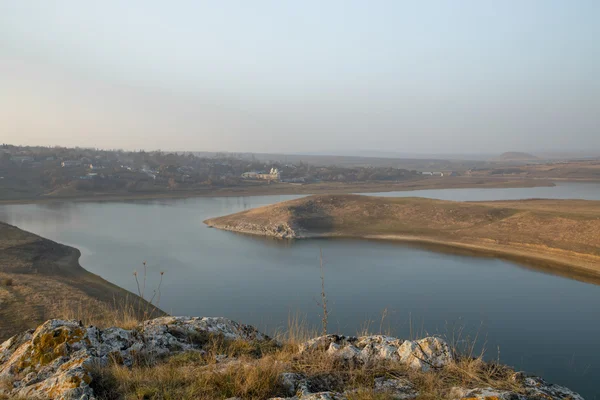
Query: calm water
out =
(541, 323)
(562, 190)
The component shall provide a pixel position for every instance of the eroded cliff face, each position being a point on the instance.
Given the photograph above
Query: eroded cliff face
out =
(280, 230)
(55, 360)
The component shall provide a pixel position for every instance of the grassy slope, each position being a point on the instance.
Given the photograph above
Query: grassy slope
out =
(41, 279)
(563, 233)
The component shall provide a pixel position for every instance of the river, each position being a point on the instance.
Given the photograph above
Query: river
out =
(535, 321)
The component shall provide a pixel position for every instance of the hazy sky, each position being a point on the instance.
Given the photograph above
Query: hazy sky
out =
(298, 76)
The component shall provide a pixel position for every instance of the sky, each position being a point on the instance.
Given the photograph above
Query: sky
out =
(302, 76)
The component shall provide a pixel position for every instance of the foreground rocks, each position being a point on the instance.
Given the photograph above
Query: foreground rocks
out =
(55, 360)
(424, 354)
(533, 389)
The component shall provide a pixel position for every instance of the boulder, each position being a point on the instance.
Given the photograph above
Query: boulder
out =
(426, 353)
(54, 361)
(430, 352)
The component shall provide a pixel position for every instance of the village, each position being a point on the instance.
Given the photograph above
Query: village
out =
(48, 169)
(27, 172)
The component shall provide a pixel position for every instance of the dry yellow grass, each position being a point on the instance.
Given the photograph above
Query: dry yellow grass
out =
(252, 371)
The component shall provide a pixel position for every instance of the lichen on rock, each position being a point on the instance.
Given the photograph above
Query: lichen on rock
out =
(54, 361)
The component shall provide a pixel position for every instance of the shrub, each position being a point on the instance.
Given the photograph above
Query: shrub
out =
(6, 282)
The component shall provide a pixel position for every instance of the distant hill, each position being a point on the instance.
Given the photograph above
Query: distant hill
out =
(516, 156)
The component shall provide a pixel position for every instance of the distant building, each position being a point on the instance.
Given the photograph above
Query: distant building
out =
(427, 173)
(70, 163)
(273, 175)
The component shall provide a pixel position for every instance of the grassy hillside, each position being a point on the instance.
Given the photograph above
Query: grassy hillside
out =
(41, 279)
(563, 233)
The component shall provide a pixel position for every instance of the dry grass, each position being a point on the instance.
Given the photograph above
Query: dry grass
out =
(7, 282)
(251, 370)
(228, 368)
(123, 314)
(298, 331)
(258, 380)
(6, 383)
(250, 376)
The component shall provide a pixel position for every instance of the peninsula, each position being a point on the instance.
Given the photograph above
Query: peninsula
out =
(558, 234)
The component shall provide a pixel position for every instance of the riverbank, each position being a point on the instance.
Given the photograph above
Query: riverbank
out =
(562, 235)
(41, 279)
(262, 189)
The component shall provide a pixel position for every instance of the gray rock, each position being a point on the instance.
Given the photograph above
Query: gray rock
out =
(397, 388)
(534, 389)
(424, 354)
(430, 352)
(54, 360)
(538, 387)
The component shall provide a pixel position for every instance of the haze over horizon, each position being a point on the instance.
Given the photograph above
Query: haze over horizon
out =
(434, 77)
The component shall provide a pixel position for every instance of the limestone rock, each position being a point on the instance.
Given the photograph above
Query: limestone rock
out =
(324, 342)
(397, 388)
(400, 389)
(324, 396)
(291, 382)
(424, 354)
(430, 352)
(534, 388)
(538, 387)
(54, 360)
(483, 394)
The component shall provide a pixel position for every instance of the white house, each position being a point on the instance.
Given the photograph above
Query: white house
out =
(70, 163)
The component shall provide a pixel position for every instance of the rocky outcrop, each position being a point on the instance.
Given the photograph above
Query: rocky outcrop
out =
(533, 388)
(424, 354)
(56, 360)
(280, 230)
(302, 388)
